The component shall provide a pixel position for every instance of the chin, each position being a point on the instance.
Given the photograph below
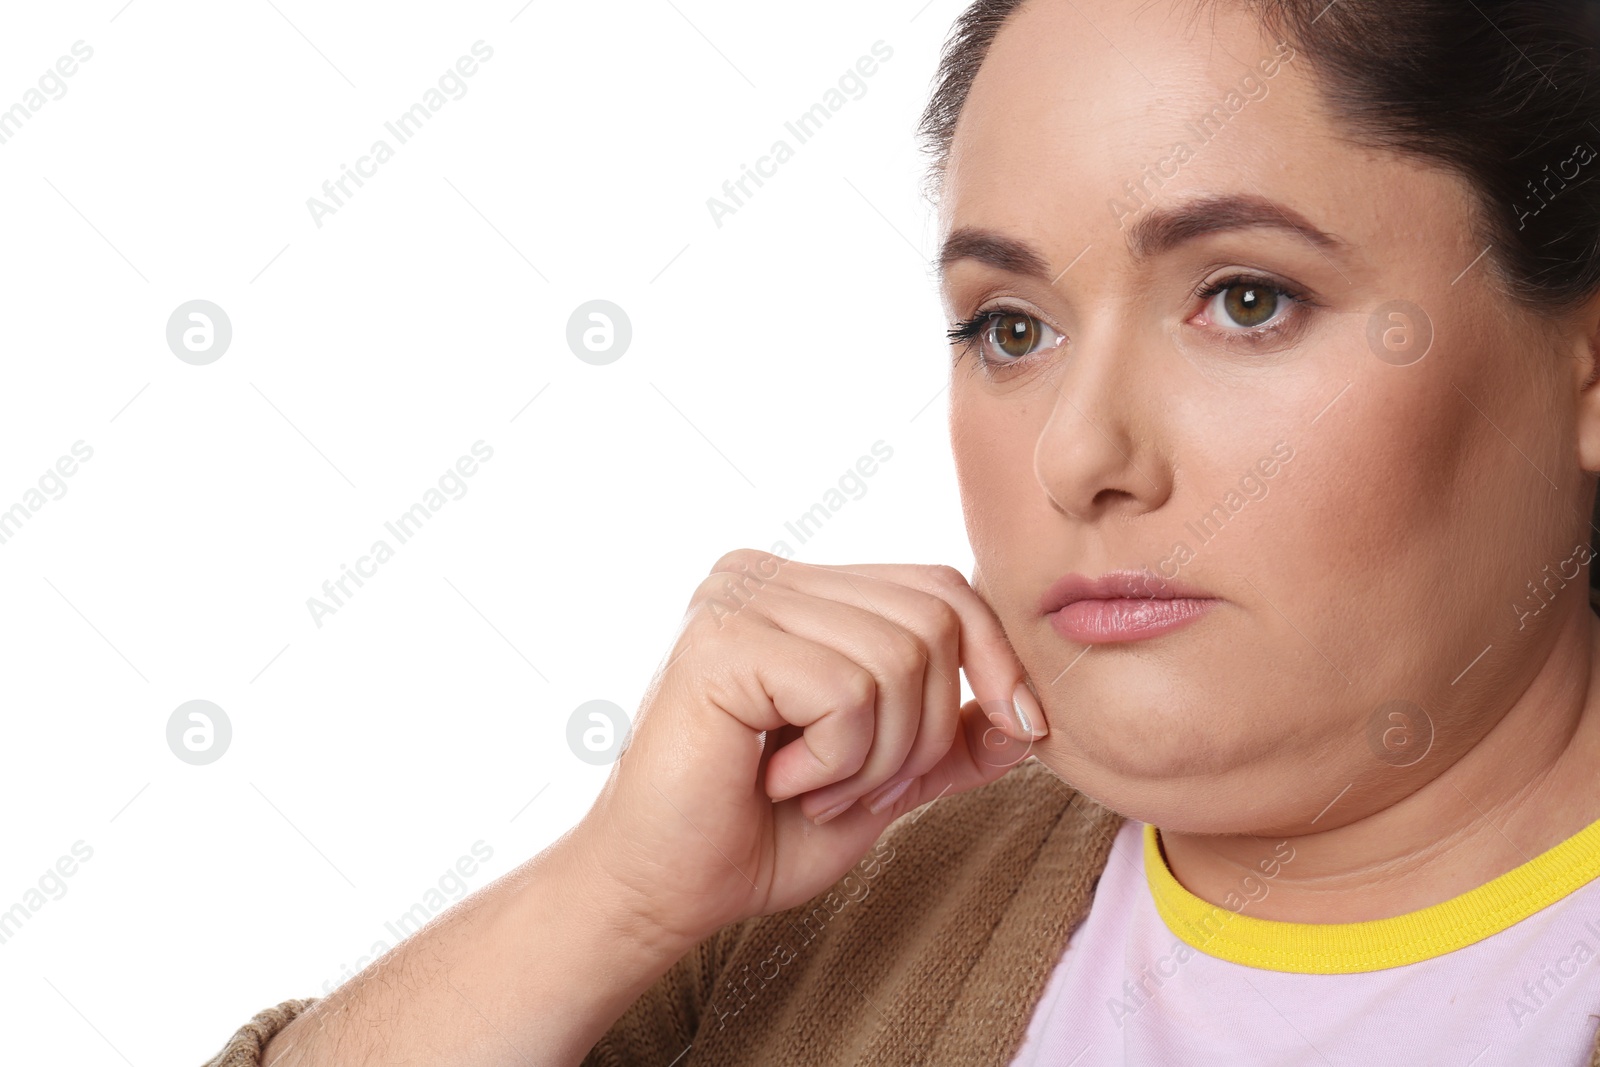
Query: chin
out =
(1111, 737)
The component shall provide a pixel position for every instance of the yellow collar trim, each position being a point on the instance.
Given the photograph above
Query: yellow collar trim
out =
(1346, 948)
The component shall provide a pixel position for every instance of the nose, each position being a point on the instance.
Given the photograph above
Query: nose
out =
(1100, 453)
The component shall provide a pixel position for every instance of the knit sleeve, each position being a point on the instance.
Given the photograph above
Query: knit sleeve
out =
(244, 1047)
(660, 1025)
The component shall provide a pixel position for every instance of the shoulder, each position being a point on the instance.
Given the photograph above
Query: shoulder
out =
(244, 1048)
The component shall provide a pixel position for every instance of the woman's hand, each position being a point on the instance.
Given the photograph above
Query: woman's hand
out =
(851, 674)
(792, 690)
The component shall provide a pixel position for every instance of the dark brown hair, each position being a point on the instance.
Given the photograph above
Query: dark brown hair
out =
(1504, 93)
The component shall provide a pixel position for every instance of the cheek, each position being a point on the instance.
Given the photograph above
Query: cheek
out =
(992, 443)
(1403, 513)
(1383, 486)
(1435, 461)
(989, 445)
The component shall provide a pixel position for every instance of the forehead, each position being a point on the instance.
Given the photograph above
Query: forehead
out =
(1087, 116)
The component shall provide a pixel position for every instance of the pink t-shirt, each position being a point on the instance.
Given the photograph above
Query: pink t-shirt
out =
(1130, 991)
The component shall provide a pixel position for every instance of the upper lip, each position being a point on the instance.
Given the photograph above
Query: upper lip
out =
(1115, 585)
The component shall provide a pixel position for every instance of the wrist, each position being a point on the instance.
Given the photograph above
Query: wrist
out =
(617, 909)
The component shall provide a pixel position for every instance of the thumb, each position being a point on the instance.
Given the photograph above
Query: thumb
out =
(996, 675)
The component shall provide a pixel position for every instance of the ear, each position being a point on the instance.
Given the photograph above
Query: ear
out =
(1586, 375)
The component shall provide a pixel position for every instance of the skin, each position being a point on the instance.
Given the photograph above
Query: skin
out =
(1383, 558)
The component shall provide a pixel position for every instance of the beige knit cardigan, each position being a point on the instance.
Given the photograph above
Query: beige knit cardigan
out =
(934, 950)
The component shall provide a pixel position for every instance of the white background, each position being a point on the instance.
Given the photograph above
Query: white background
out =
(369, 754)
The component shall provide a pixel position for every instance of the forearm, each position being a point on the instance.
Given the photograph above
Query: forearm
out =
(530, 970)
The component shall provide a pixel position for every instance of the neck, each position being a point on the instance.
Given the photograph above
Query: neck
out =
(1525, 787)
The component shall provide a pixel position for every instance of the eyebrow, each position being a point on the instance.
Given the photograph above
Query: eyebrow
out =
(1160, 231)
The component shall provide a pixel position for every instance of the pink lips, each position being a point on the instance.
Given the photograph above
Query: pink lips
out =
(1120, 606)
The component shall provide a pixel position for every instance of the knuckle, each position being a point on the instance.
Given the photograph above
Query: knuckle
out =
(854, 756)
(712, 586)
(935, 737)
(735, 581)
(904, 658)
(945, 576)
(719, 596)
(764, 565)
(730, 560)
(722, 684)
(944, 624)
(856, 691)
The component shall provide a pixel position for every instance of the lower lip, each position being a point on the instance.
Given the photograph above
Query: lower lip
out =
(1098, 622)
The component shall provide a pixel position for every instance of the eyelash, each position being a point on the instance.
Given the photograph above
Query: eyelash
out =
(968, 333)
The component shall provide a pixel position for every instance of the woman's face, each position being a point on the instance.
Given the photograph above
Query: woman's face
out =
(1366, 496)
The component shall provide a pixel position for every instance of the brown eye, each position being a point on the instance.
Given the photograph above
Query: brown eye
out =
(1249, 304)
(1017, 335)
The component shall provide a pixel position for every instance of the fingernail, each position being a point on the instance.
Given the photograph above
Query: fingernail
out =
(883, 796)
(831, 812)
(1026, 709)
